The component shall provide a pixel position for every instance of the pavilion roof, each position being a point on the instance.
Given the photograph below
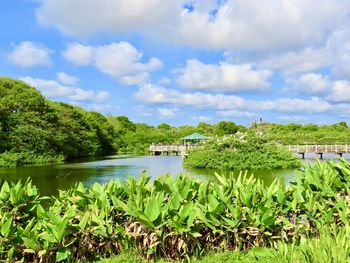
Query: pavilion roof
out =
(195, 136)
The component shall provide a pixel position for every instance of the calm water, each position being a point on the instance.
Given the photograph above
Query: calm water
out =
(51, 178)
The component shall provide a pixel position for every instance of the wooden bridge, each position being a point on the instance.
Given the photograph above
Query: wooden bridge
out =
(317, 149)
(171, 149)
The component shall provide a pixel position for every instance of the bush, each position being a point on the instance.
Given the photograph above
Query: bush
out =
(12, 159)
(237, 154)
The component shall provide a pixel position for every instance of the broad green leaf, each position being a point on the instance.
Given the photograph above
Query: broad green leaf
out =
(153, 209)
(5, 228)
(62, 254)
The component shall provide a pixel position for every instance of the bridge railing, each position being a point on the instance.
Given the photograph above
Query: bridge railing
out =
(303, 148)
(171, 148)
(316, 148)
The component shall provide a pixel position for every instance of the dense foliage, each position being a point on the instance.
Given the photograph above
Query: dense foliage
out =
(170, 218)
(137, 137)
(304, 134)
(240, 152)
(35, 130)
(333, 245)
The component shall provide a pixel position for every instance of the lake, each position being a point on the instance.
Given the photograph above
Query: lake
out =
(51, 178)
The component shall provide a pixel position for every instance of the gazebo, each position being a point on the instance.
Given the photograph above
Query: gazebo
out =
(194, 138)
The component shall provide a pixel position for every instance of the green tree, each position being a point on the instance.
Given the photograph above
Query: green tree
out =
(226, 127)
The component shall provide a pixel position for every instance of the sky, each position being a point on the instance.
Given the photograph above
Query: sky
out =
(185, 62)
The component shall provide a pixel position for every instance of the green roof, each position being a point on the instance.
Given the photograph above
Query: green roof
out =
(195, 136)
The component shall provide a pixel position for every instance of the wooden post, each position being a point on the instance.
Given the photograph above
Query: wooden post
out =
(321, 155)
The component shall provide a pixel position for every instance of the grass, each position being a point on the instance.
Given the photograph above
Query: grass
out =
(225, 257)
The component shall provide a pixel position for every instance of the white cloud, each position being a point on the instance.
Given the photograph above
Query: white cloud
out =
(292, 118)
(340, 91)
(312, 105)
(79, 54)
(236, 113)
(238, 24)
(267, 24)
(119, 60)
(202, 118)
(55, 89)
(292, 62)
(310, 83)
(82, 17)
(89, 95)
(28, 54)
(339, 46)
(168, 113)
(144, 111)
(67, 79)
(153, 94)
(49, 88)
(224, 77)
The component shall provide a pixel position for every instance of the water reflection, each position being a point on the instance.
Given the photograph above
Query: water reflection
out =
(51, 178)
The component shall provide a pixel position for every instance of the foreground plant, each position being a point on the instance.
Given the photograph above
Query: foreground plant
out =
(171, 218)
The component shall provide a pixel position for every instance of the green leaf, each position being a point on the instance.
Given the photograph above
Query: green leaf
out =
(176, 201)
(40, 212)
(84, 220)
(213, 203)
(10, 252)
(5, 189)
(5, 228)
(62, 254)
(153, 209)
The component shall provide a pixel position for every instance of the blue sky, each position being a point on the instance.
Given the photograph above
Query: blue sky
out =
(184, 62)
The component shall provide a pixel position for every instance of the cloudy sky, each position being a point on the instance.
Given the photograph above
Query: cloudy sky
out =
(183, 61)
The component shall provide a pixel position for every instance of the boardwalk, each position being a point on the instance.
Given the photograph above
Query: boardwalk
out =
(320, 150)
(177, 149)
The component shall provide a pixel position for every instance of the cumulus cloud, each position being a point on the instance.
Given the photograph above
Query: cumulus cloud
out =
(82, 17)
(202, 118)
(292, 62)
(242, 24)
(237, 113)
(168, 113)
(58, 89)
(339, 46)
(142, 110)
(28, 54)
(248, 24)
(340, 91)
(67, 79)
(223, 77)
(336, 91)
(310, 83)
(153, 94)
(119, 60)
(292, 118)
(79, 54)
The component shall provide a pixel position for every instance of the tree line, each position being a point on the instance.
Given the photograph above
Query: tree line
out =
(35, 130)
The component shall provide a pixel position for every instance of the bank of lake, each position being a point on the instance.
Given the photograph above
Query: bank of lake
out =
(49, 179)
